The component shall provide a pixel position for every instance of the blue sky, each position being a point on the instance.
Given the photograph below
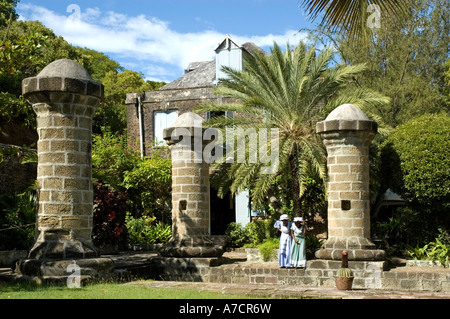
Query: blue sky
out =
(161, 37)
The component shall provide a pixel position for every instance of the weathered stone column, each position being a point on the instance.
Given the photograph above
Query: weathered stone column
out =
(64, 97)
(347, 133)
(190, 190)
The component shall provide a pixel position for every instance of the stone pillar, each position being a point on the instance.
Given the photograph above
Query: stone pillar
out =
(190, 190)
(347, 133)
(64, 97)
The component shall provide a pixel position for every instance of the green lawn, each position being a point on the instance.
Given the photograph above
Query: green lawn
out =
(103, 291)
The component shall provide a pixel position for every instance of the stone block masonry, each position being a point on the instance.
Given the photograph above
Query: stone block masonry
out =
(347, 133)
(190, 191)
(64, 97)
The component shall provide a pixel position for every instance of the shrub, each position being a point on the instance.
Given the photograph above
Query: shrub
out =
(415, 161)
(253, 234)
(312, 244)
(110, 208)
(149, 186)
(236, 236)
(439, 249)
(17, 220)
(268, 248)
(142, 230)
(423, 149)
(258, 231)
(112, 156)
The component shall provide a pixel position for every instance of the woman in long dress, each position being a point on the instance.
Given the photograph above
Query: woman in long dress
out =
(284, 249)
(298, 251)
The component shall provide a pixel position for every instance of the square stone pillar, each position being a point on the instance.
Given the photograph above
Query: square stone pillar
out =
(64, 97)
(190, 191)
(347, 133)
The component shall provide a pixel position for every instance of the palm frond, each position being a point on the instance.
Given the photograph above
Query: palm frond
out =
(351, 15)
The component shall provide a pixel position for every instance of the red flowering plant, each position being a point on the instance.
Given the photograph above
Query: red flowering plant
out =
(110, 208)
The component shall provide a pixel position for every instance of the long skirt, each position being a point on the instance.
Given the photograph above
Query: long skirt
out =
(284, 250)
(298, 252)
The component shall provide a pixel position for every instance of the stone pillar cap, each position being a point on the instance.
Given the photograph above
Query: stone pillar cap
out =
(188, 120)
(63, 76)
(346, 117)
(65, 68)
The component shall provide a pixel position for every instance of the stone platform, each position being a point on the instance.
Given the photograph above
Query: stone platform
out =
(234, 269)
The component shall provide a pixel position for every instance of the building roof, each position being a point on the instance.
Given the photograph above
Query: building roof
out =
(203, 73)
(197, 74)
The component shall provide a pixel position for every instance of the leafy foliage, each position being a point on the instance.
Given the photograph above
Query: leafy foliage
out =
(423, 149)
(17, 220)
(253, 234)
(150, 186)
(439, 249)
(112, 156)
(405, 60)
(289, 91)
(144, 230)
(111, 112)
(268, 248)
(350, 17)
(110, 208)
(16, 109)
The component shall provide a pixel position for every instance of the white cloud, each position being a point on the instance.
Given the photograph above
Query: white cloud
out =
(147, 42)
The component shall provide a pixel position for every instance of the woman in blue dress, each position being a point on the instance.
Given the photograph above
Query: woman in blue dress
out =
(284, 250)
(298, 252)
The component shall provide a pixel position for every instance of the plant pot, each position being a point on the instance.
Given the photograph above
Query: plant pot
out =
(344, 283)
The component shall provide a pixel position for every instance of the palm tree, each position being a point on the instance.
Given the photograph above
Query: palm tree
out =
(289, 91)
(352, 15)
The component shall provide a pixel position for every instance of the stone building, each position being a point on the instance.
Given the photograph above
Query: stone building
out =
(152, 112)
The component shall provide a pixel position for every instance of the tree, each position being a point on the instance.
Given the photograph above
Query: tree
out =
(289, 91)
(353, 16)
(7, 12)
(111, 112)
(415, 161)
(422, 146)
(405, 61)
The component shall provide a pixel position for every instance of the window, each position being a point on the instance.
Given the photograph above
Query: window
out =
(162, 120)
(229, 114)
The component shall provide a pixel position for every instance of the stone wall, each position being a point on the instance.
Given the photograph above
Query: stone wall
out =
(183, 100)
(318, 273)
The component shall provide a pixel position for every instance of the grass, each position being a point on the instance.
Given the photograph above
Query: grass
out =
(103, 291)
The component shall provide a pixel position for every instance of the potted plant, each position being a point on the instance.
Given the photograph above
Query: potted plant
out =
(345, 277)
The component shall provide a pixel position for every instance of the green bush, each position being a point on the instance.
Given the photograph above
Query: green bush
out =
(312, 244)
(258, 231)
(253, 234)
(439, 249)
(415, 161)
(268, 248)
(422, 150)
(112, 156)
(149, 187)
(143, 230)
(17, 220)
(236, 236)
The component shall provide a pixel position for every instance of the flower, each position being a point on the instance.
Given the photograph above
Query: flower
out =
(117, 231)
(111, 215)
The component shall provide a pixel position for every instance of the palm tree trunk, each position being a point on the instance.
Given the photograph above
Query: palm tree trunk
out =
(293, 163)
